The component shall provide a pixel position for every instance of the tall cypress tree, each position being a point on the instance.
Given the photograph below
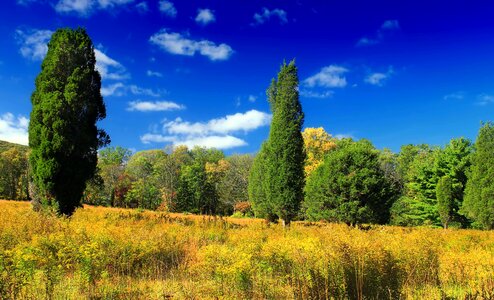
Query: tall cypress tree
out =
(479, 193)
(63, 135)
(285, 154)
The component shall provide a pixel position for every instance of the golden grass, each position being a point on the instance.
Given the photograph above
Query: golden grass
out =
(110, 253)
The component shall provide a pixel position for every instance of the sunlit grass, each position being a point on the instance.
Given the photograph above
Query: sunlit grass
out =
(110, 253)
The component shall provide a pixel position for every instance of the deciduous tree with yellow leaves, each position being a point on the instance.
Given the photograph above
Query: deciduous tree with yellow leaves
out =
(317, 143)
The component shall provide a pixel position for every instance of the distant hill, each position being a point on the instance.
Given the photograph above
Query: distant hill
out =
(4, 146)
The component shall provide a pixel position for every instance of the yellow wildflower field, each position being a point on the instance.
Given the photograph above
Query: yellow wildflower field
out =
(110, 253)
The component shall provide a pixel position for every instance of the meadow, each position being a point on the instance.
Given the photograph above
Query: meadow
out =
(112, 253)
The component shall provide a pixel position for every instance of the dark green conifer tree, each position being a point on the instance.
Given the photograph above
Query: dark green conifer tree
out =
(445, 199)
(63, 135)
(258, 187)
(479, 193)
(285, 147)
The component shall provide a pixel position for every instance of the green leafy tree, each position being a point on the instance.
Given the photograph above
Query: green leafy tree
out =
(421, 167)
(111, 164)
(286, 154)
(455, 161)
(144, 191)
(407, 155)
(198, 191)
(445, 200)
(63, 135)
(479, 193)
(350, 186)
(418, 204)
(167, 175)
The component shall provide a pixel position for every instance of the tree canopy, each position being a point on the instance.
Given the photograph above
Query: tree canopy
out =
(350, 186)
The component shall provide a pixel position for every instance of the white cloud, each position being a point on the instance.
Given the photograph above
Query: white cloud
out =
(215, 133)
(85, 8)
(329, 77)
(214, 141)
(25, 2)
(319, 95)
(114, 89)
(252, 98)
(120, 89)
(484, 99)
(390, 25)
(157, 138)
(455, 96)
(367, 42)
(341, 136)
(245, 122)
(167, 8)
(81, 7)
(109, 68)
(266, 14)
(146, 106)
(205, 16)
(376, 79)
(136, 90)
(175, 43)
(33, 43)
(387, 28)
(379, 79)
(142, 7)
(153, 73)
(14, 130)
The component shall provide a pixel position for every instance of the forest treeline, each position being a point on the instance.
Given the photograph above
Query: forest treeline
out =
(346, 181)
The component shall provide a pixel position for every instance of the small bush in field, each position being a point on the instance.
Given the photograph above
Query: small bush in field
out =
(244, 208)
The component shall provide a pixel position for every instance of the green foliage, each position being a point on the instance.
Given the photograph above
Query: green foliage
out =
(13, 171)
(445, 200)
(13, 174)
(479, 193)
(418, 205)
(285, 147)
(144, 192)
(350, 186)
(413, 211)
(4, 146)
(258, 186)
(407, 155)
(420, 168)
(63, 135)
(197, 192)
(167, 174)
(455, 161)
(111, 163)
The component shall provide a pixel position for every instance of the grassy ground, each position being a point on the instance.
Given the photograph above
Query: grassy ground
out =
(109, 253)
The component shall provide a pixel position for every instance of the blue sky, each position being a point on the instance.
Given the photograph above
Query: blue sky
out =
(195, 72)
